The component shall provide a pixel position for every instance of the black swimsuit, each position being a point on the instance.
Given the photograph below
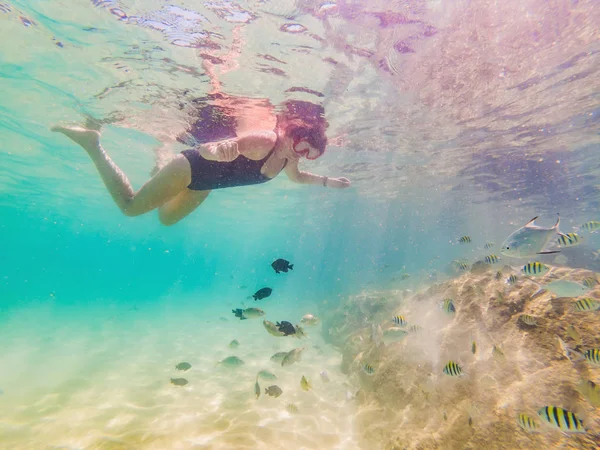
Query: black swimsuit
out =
(242, 171)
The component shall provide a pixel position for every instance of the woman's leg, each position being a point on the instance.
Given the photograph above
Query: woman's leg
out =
(166, 184)
(180, 206)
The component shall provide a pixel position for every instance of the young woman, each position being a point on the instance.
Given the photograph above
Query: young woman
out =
(252, 157)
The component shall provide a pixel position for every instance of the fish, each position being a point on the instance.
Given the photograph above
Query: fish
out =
(273, 391)
(474, 347)
(591, 226)
(399, 320)
(464, 240)
(562, 419)
(231, 361)
(535, 268)
(589, 282)
(278, 357)
(262, 293)
(498, 275)
(309, 320)
(488, 245)
(234, 344)
(415, 328)
(512, 279)
(565, 288)
(272, 328)
(586, 304)
(564, 348)
(183, 366)
(368, 369)
(292, 357)
(291, 408)
(393, 334)
(498, 353)
(266, 375)
(324, 377)
(281, 265)
(248, 313)
(460, 265)
(527, 423)
(569, 240)
(179, 381)
(592, 355)
(528, 320)
(304, 384)
(257, 389)
(448, 306)
(529, 240)
(590, 391)
(491, 259)
(405, 276)
(574, 334)
(452, 369)
(286, 328)
(299, 332)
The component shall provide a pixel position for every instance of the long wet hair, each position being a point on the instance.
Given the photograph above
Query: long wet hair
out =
(303, 120)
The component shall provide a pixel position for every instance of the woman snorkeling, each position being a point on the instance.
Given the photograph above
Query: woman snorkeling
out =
(251, 157)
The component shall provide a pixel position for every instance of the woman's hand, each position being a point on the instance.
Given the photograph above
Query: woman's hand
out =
(226, 151)
(338, 182)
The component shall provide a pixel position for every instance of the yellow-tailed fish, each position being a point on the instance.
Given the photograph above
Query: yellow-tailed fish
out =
(569, 240)
(591, 392)
(488, 245)
(448, 306)
(593, 356)
(560, 418)
(529, 240)
(464, 240)
(528, 320)
(591, 227)
(491, 259)
(369, 369)
(304, 384)
(512, 279)
(291, 408)
(452, 369)
(589, 282)
(527, 423)
(574, 334)
(535, 268)
(460, 265)
(415, 328)
(399, 320)
(586, 304)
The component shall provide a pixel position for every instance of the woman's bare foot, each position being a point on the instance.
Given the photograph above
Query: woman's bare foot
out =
(88, 139)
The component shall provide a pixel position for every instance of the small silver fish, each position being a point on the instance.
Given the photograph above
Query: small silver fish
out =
(394, 334)
(266, 375)
(278, 357)
(292, 357)
(565, 288)
(528, 320)
(529, 240)
(564, 348)
(179, 381)
(231, 361)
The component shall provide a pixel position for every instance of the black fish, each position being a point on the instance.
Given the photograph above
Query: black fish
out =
(239, 313)
(286, 328)
(262, 293)
(281, 265)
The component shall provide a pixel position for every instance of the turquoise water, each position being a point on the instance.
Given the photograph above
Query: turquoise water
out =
(450, 119)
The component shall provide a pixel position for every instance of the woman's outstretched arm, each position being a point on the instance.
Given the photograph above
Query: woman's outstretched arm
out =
(298, 176)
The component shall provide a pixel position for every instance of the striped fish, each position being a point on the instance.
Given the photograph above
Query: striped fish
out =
(491, 259)
(527, 423)
(415, 328)
(535, 268)
(569, 240)
(399, 320)
(448, 306)
(488, 245)
(528, 320)
(589, 282)
(593, 356)
(465, 240)
(369, 369)
(452, 369)
(586, 304)
(498, 275)
(460, 265)
(562, 419)
(591, 226)
(512, 279)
